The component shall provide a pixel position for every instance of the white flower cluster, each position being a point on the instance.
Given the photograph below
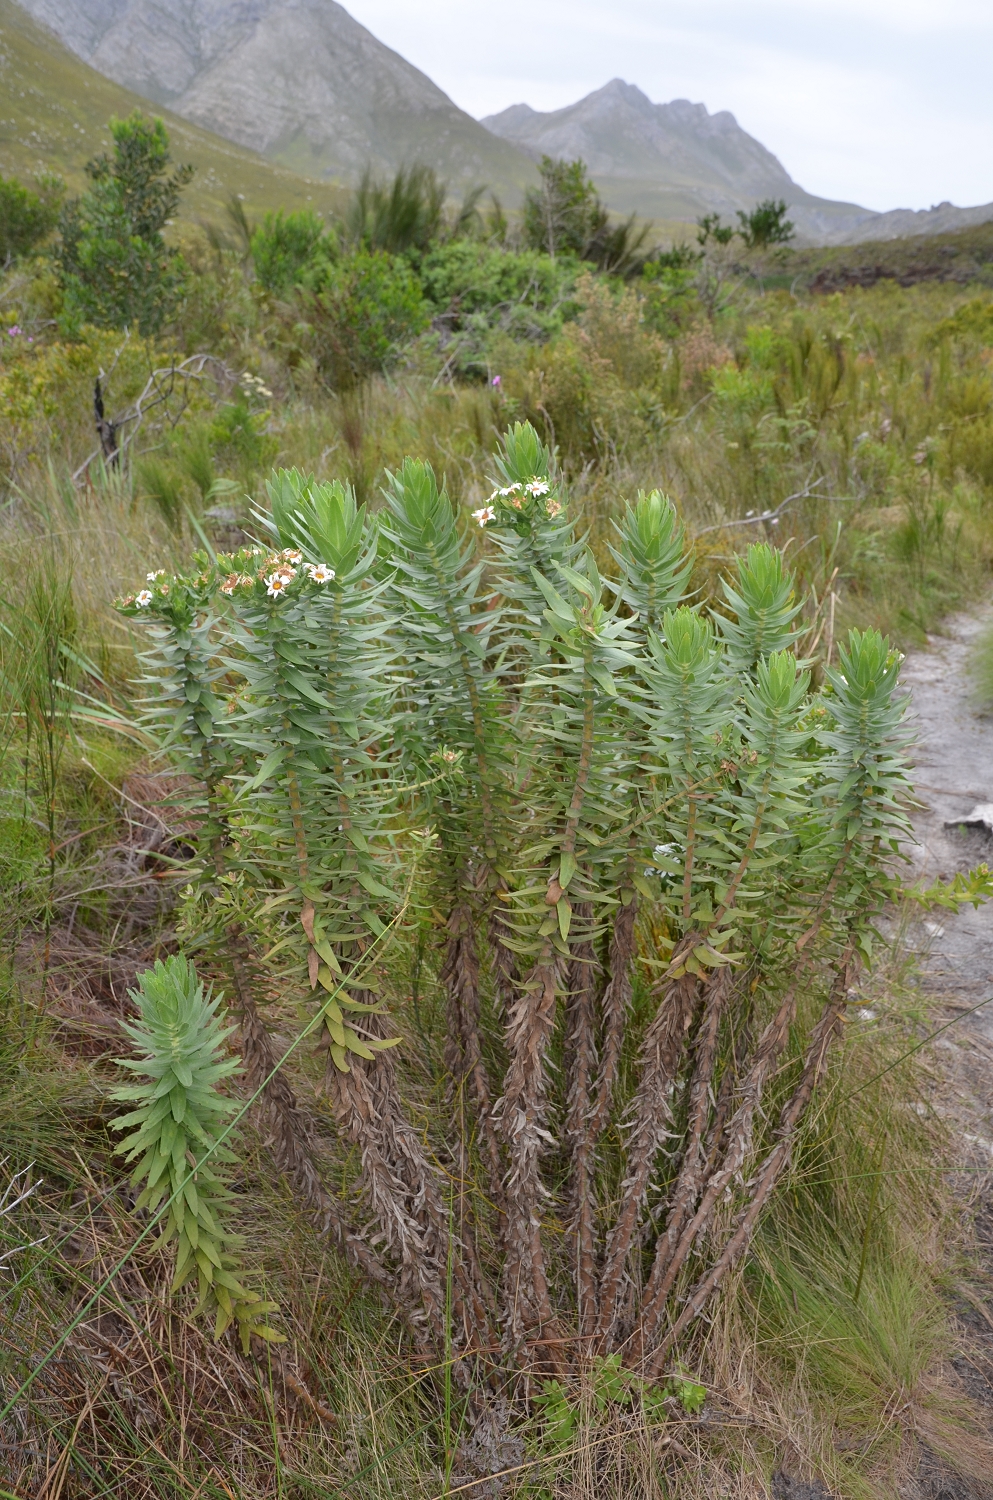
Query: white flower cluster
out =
(285, 570)
(514, 495)
(144, 597)
(254, 385)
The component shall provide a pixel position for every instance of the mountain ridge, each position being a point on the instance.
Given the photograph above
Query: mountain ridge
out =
(299, 81)
(304, 85)
(676, 160)
(54, 110)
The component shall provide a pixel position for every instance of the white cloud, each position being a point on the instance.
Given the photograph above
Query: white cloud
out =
(883, 102)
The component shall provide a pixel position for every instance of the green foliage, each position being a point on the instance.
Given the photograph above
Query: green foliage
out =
(369, 307)
(562, 216)
(710, 227)
(160, 484)
(400, 216)
(175, 1139)
(116, 268)
(766, 224)
(479, 290)
(668, 290)
(972, 322)
(765, 607)
(664, 761)
(655, 568)
(605, 1384)
(966, 888)
(285, 247)
(26, 217)
(238, 433)
(619, 249)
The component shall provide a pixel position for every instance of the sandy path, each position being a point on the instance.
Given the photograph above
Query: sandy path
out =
(954, 770)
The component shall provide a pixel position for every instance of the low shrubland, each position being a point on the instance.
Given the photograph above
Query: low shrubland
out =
(535, 853)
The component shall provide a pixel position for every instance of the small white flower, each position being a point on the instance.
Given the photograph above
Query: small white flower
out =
(320, 572)
(537, 487)
(159, 573)
(484, 514)
(511, 489)
(290, 555)
(277, 583)
(144, 599)
(661, 850)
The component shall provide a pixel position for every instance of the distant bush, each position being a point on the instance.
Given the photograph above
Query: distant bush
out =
(564, 212)
(116, 268)
(767, 224)
(564, 216)
(667, 289)
(285, 246)
(368, 309)
(595, 387)
(478, 290)
(27, 217)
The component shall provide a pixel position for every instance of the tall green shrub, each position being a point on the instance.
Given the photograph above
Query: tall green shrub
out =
(116, 269)
(27, 217)
(361, 315)
(647, 859)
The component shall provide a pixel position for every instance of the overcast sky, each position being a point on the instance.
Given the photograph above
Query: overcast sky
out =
(888, 103)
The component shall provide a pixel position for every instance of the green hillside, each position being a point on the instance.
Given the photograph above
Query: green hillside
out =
(54, 111)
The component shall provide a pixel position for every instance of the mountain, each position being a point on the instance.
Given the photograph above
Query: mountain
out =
(676, 161)
(299, 81)
(669, 161)
(304, 85)
(903, 223)
(54, 112)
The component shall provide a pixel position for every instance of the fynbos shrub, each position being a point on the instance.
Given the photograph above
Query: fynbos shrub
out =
(645, 856)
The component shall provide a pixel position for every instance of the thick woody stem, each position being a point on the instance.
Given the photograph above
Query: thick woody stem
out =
(581, 984)
(773, 1166)
(717, 1133)
(738, 1134)
(661, 1054)
(684, 1194)
(614, 1006)
(405, 1196)
(504, 960)
(289, 1138)
(463, 1049)
(288, 1130)
(529, 1029)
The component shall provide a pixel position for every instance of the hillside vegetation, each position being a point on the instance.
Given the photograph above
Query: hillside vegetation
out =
(54, 113)
(451, 758)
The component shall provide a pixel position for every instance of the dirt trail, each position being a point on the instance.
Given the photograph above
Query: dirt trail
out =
(954, 771)
(953, 760)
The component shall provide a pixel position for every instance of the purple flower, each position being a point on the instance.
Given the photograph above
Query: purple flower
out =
(13, 332)
(496, 380)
